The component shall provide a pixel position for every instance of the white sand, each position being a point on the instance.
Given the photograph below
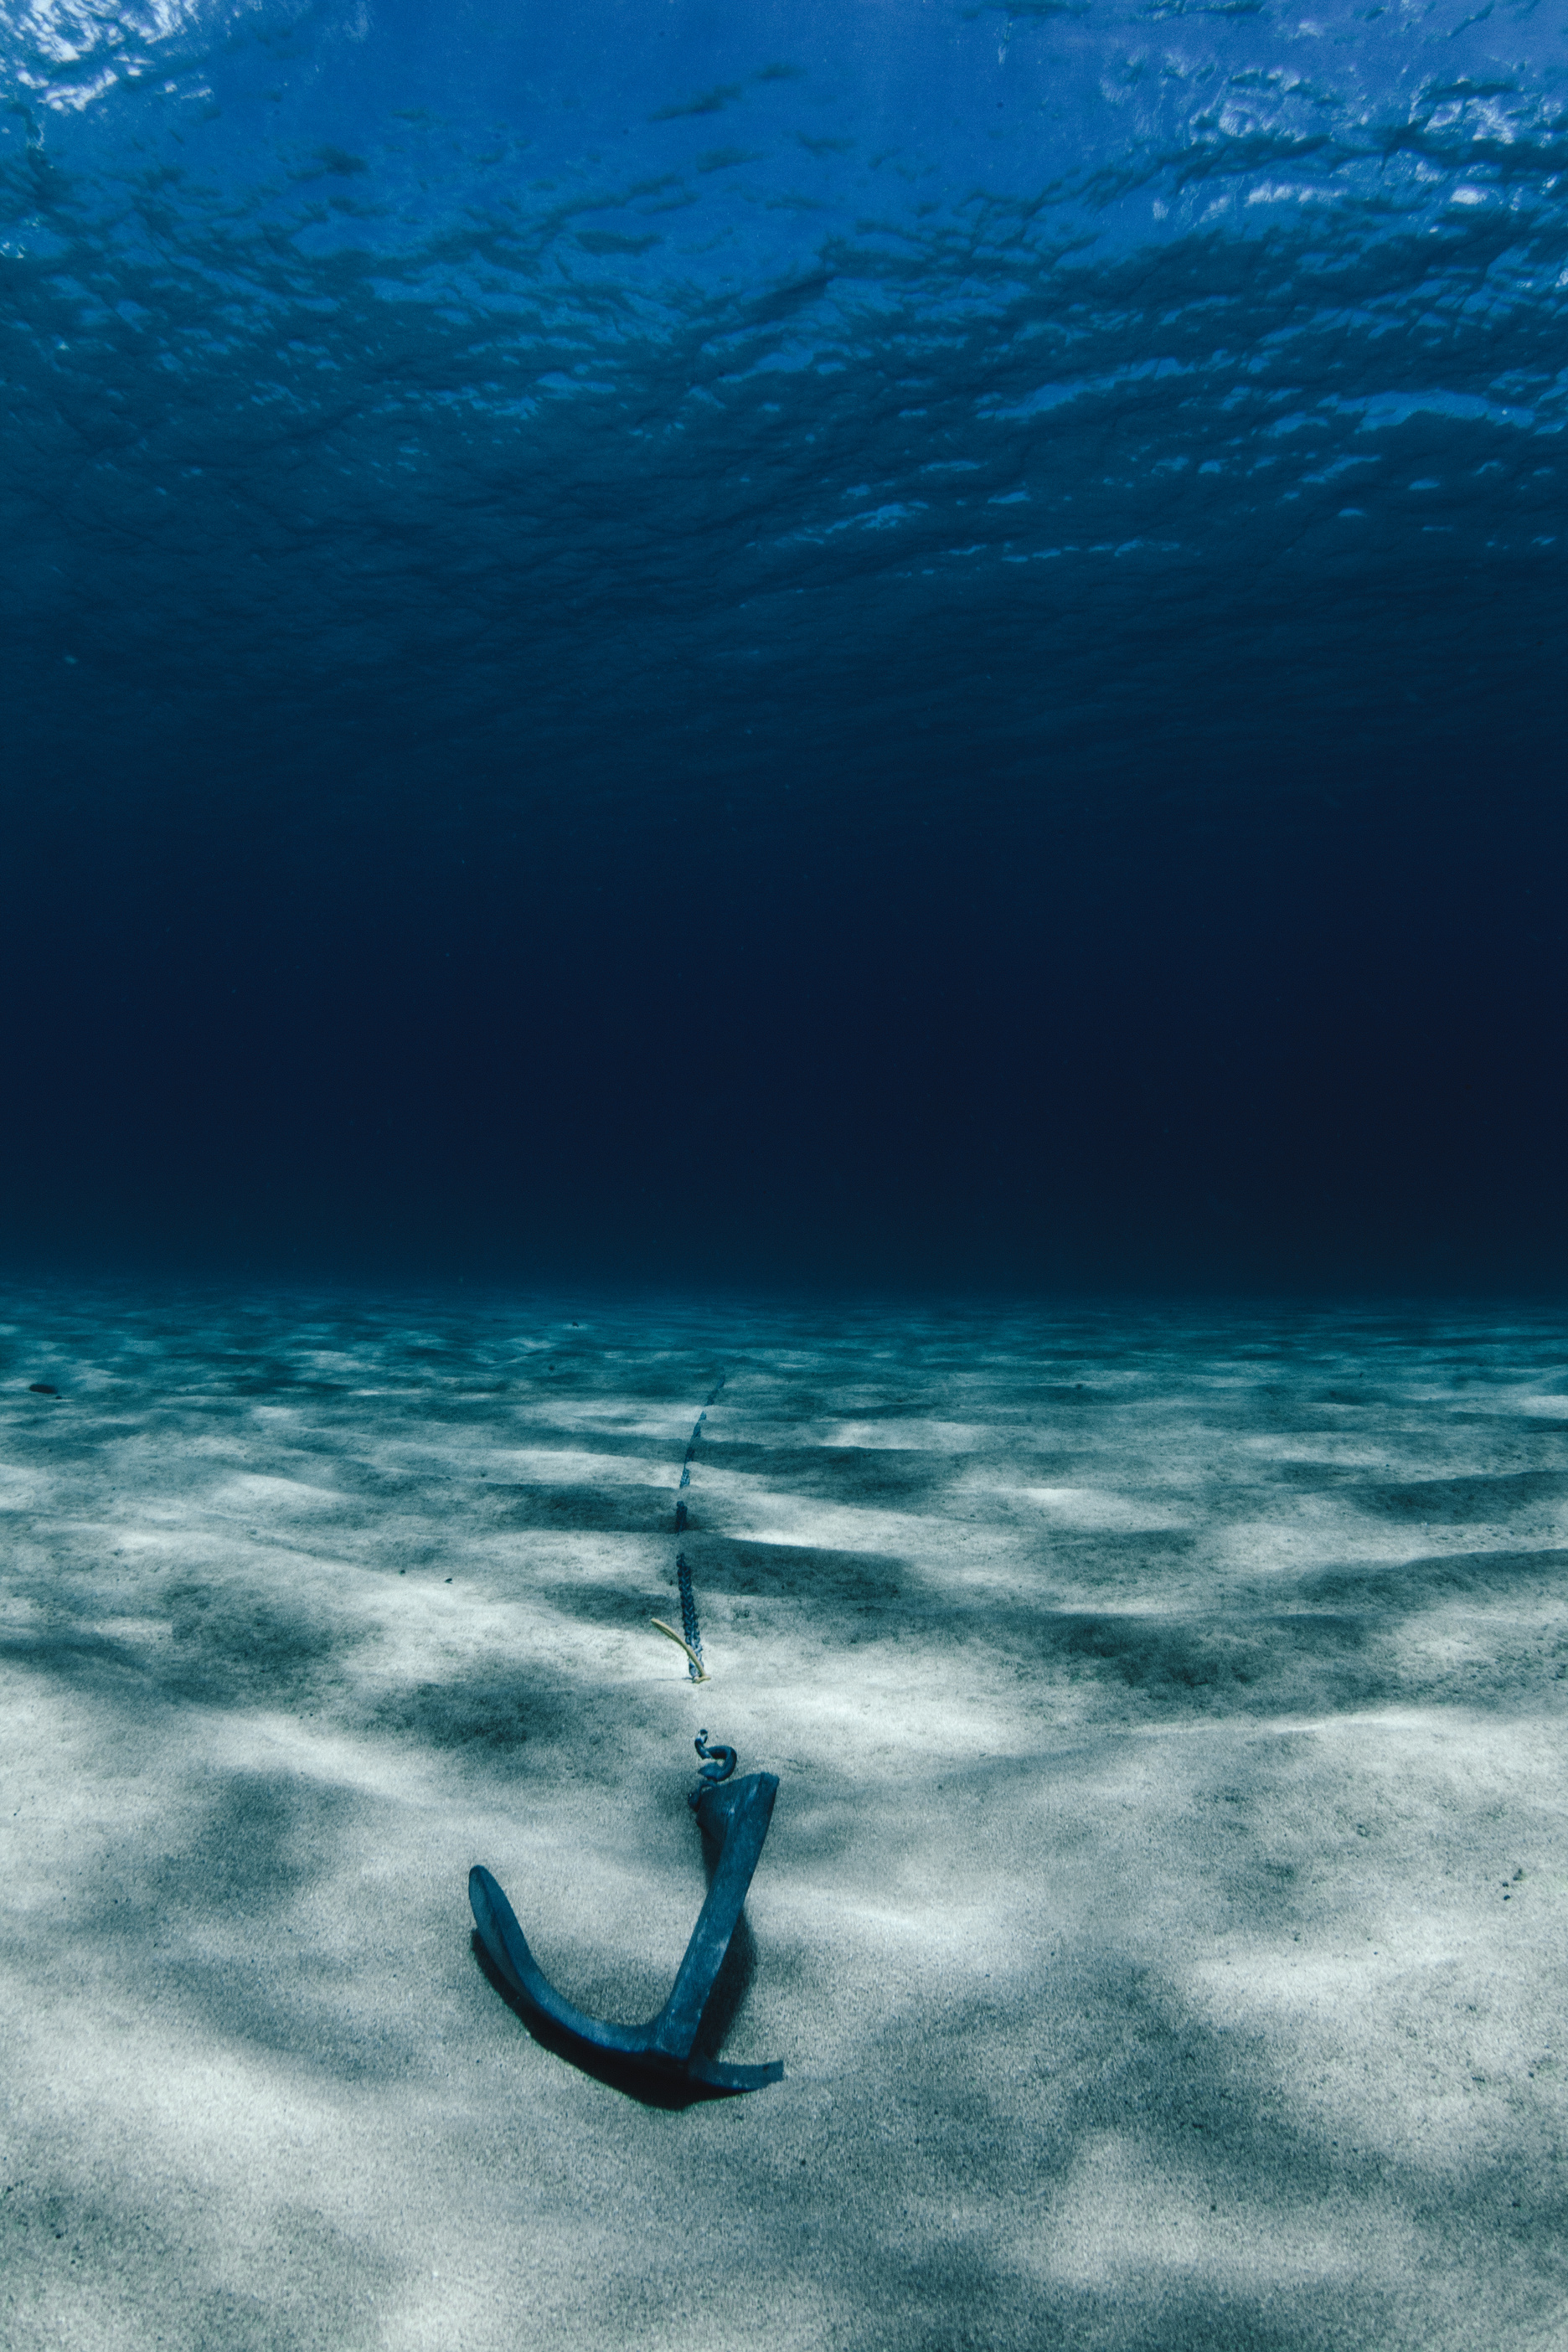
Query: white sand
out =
(1163, 1920)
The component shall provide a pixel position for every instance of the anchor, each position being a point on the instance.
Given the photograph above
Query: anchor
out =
(734, 1815)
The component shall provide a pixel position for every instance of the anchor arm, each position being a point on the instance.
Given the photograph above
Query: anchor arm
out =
(507, 1948)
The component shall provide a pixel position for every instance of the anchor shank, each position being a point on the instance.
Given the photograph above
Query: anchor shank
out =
(740, 1813)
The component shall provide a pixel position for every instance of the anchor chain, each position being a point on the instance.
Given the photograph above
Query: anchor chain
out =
(695, 1669)
(689, 1625)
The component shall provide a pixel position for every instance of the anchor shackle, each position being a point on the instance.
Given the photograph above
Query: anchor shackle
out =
(720, 1760)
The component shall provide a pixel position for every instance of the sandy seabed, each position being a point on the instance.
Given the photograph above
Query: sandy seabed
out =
(1163, 1921)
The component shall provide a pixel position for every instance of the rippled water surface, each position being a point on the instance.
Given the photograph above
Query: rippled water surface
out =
(554, 373)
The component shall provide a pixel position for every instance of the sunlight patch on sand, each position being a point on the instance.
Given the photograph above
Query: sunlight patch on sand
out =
(1119, 2220)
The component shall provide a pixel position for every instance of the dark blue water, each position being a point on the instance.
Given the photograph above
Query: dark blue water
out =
(915, 641)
